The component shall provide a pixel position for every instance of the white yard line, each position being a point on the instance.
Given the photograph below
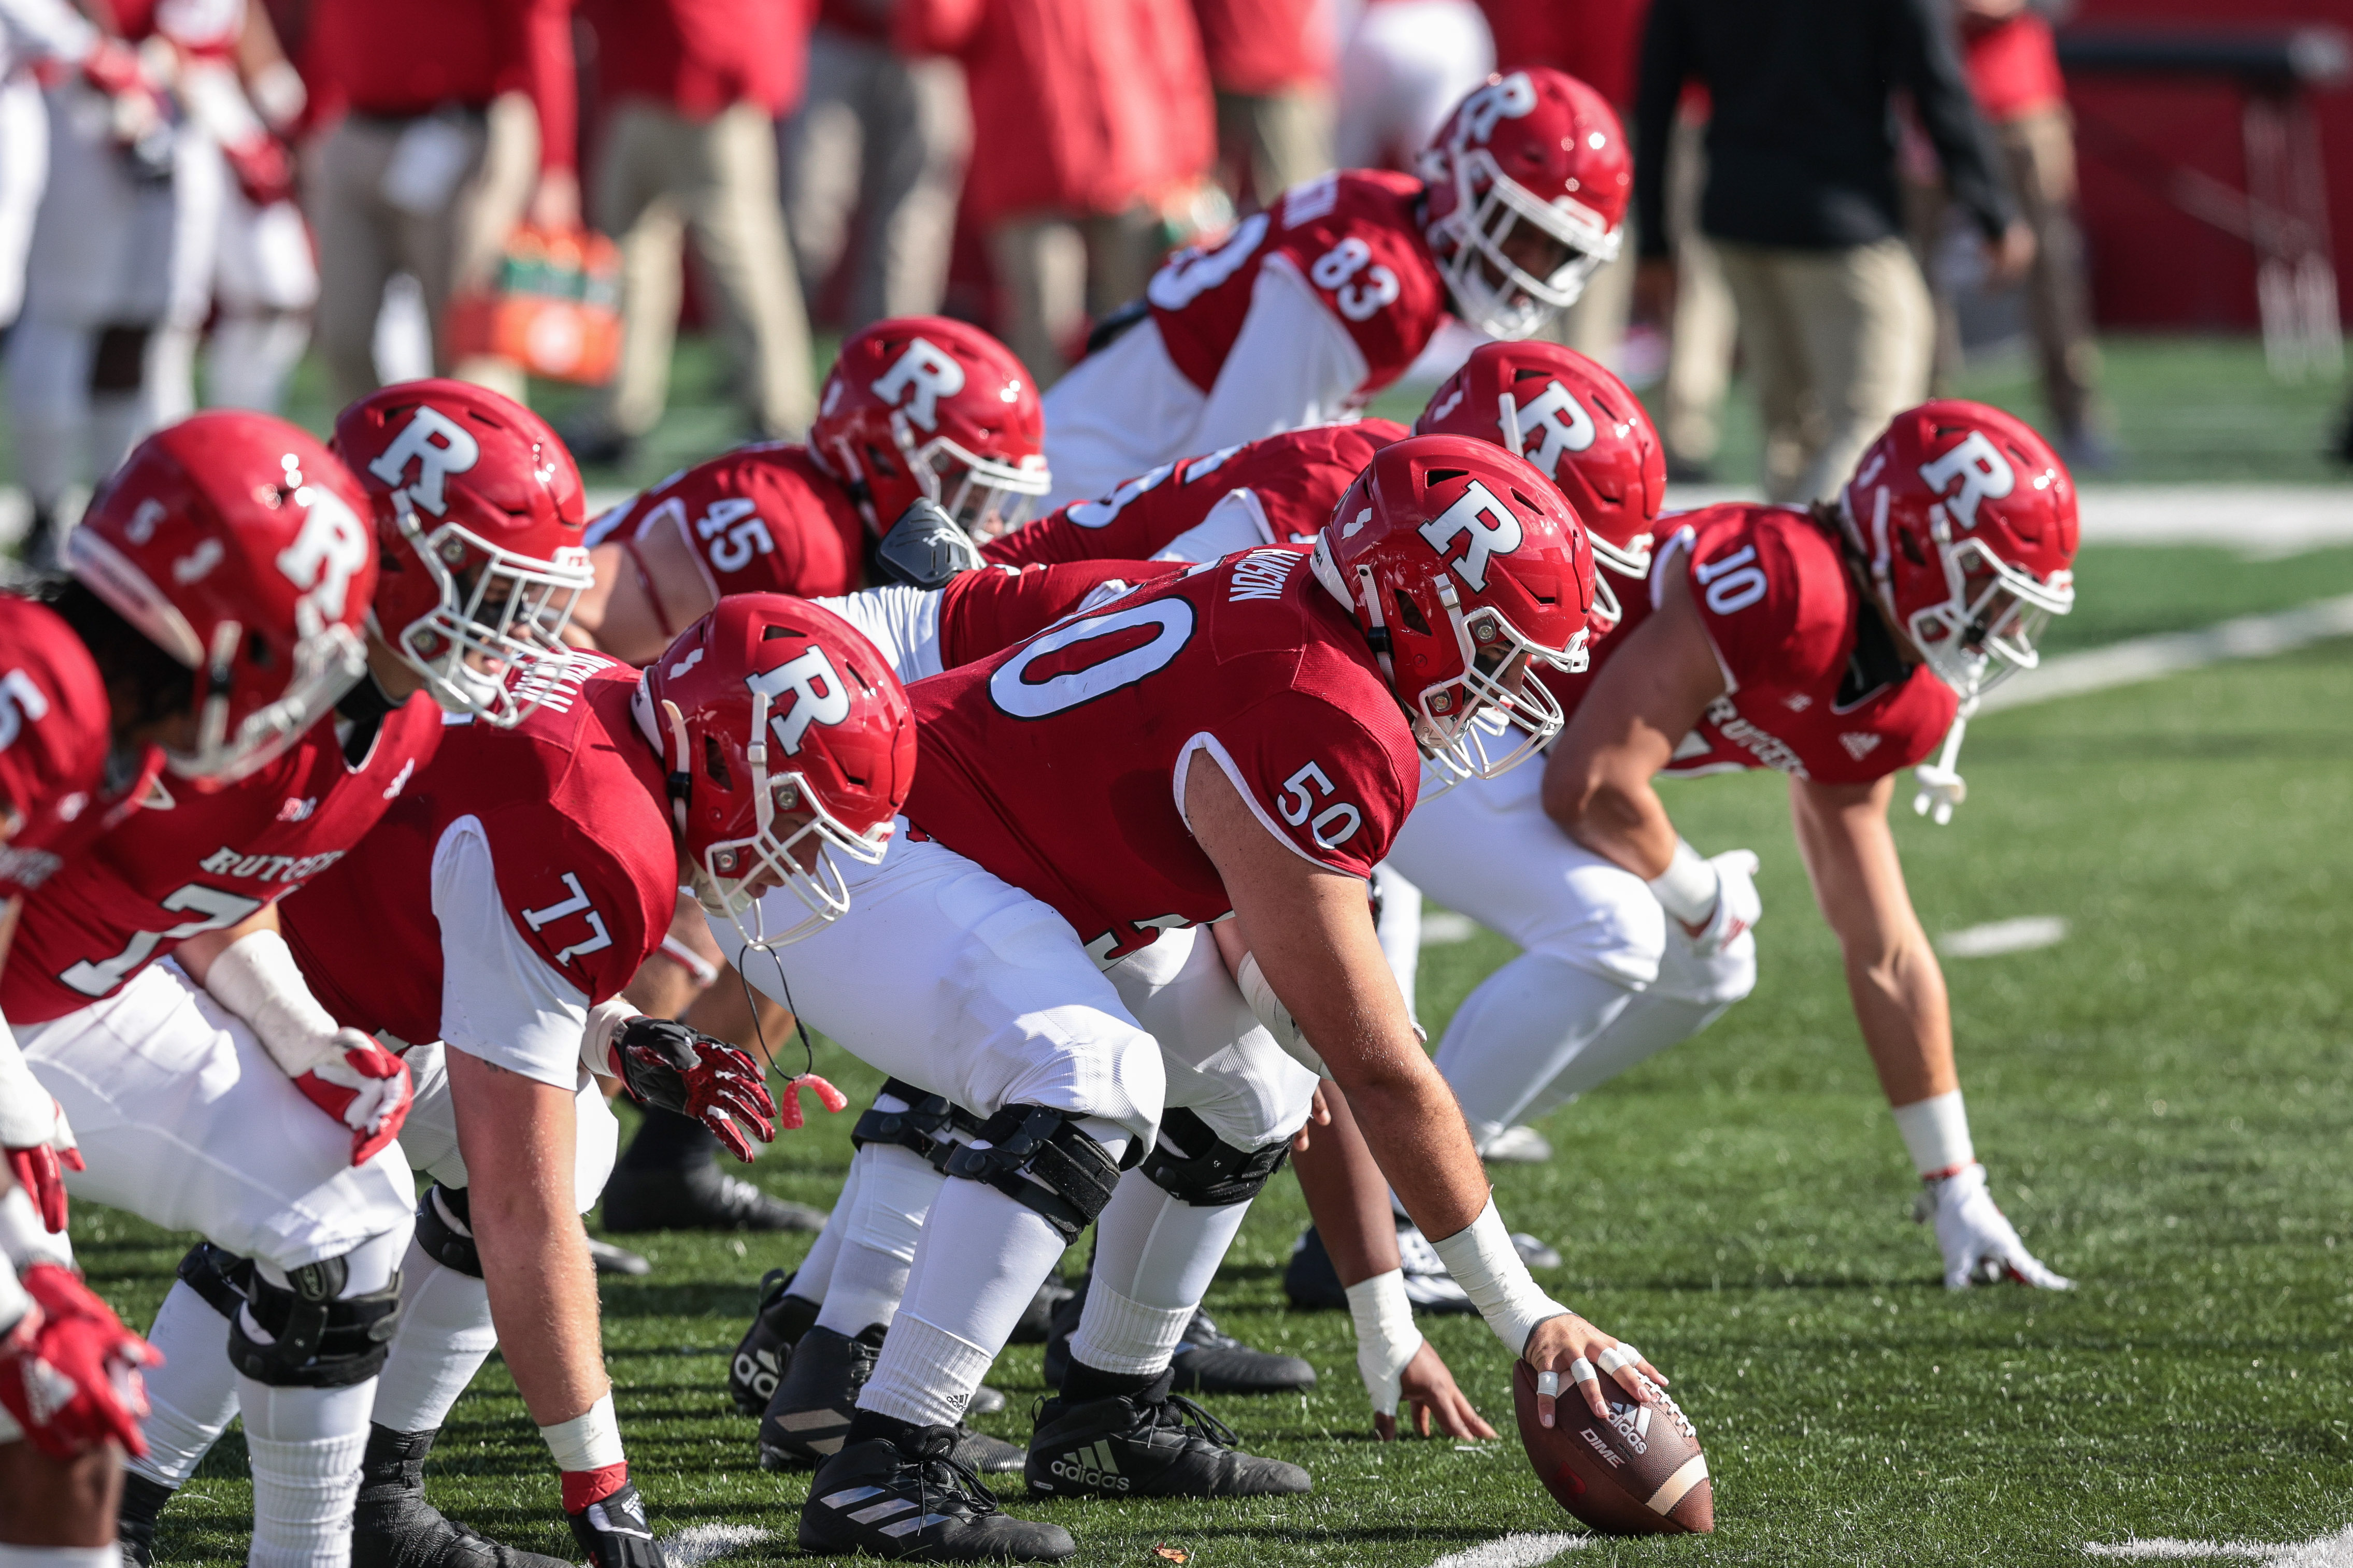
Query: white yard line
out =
(699, 1544)
(2023, 934)
(2139, 659)
(2323, 1551)
(1513, 1552)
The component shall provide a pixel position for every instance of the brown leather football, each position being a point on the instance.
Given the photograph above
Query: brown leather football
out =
(1640, 1472)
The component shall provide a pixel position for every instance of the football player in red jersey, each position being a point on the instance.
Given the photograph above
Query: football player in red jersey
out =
(519, 883)
(1840, 646)
(916, 408)
(1241, 738)
(1307, 310)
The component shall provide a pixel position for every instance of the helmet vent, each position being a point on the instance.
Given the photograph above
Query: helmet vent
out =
(770, 634)
(714, 763)
(1440, 476)
(1409, 614)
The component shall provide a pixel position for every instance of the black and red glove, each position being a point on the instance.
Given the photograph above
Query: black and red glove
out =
(69, 1370)
(665, 1063)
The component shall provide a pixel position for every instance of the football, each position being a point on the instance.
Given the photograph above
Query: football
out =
(1640, 1472)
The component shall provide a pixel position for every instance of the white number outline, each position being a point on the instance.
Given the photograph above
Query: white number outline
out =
(1020, 699)
(220, 909)
(1733, 583)
(1192, 273)
(1294, 803)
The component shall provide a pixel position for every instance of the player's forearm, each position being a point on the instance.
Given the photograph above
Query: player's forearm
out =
(1415, 1132)
(1900, 1003)
(1346, 1196)
(1618, 816)
(543, 1298)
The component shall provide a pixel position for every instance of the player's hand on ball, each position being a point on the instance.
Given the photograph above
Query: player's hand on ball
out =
(665, 1063)
(1572, 1358)
(69, 1370)
(366, 1088)
(1430, 1397)
(1980, 1244)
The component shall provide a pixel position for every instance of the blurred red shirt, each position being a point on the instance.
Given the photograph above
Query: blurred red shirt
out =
(1255, 48)
(700, 56)
(2012, 66)
(1597, 41)
(408, 59)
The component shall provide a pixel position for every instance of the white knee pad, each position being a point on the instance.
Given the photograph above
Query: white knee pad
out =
(1218, 1061)
(895, 1190)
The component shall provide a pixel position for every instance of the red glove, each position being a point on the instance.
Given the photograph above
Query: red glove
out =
(665, 1063)
(112, 67)
(264, 171)
(369, 1092)
(37, 1171)
(69, 1370)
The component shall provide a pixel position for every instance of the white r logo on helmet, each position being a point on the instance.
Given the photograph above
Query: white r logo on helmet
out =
(1492, 528)
(923, 376)
(332, 548)
(1985, 474)
(439, 446)
(1563, 422)
(1509, 99)
(819, 696)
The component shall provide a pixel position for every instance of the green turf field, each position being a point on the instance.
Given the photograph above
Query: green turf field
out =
(2163, 1098)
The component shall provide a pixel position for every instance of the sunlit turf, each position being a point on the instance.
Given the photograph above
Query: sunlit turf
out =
(2164, 1100)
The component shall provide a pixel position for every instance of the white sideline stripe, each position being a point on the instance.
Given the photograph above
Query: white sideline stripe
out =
(2023, 934)
(1513, 1552)
(701, 1543)
(2322, 1551)
(1441, 928)
(2139, 659)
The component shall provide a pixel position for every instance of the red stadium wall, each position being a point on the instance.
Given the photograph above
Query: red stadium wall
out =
(2152, 265)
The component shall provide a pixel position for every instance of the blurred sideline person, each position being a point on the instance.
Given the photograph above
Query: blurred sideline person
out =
(1403, 68)
(873, 162)
(692, 90)
(1270, 66)
(1835, 319)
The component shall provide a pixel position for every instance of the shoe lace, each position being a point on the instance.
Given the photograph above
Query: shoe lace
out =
(1203, 1333)
(956, 1481)
(1175, 1413)
(1415, 1255)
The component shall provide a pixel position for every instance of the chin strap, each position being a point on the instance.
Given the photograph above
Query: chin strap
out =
(1941, 784)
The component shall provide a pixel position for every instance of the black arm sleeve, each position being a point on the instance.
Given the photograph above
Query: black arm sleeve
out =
(1927, 60)
(1665, 63)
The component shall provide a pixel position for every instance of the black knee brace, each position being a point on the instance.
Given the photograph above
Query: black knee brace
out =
(119, 363)
(222, 1278)
(319, 1337)
(1028, 1145)
(923, 1128)
(445, 1229)
(1214, 1175)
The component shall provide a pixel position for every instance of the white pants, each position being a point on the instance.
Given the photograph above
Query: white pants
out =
(24, 171)
(185, 1122)
(964, 986)
(1116, 413)
(1403, 69)
(430, 1136)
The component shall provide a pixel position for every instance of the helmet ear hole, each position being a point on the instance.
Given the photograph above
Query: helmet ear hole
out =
(1410, 614)
(714, 764)
(256, 650)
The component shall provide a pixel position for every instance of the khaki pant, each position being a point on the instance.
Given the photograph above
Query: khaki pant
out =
(1055, 271)
(363, 238)
(663, 175)
(1839, 343)
(1701, 339)
(881, 139)
(2039, 152)
(1268, 143)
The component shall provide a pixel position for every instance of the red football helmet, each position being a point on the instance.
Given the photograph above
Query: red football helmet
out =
(1538, 147)
(1967, 519)
(1464, 565)
(55, 729)
(234, 543)
(479, 512)
(1579, 426)
(785, 737)
(924, 408)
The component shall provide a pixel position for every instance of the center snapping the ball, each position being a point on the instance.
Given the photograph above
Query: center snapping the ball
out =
(1640, 1472)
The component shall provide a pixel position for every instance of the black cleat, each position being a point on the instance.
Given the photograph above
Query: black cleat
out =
(761, 1354)
(1036, 1324)
(394, 1526)
(1310, 1280)
(135, 1520)
(915, 1499)
(613, 1533)
(700, 1197)
(1153, 1443)
(1313, 1284)
(809, 1419)
(1208, 1359)
(611, 1259)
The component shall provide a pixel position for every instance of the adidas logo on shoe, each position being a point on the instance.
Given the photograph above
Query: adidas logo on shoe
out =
(1092, 1466)
(848, 1499)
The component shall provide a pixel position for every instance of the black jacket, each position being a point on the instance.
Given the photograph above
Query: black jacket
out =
(1801, 144)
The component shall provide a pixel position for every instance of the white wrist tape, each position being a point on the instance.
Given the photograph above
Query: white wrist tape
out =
(1937, 1131)
(1270, 1011)
(28, 1116)
(1386, 1340)
(1484, 1262)
(24, 1238)
(255, 978)
(277, 90)
(606, 1022)
(14, 1300)
(1687, 888)
(587, 1442)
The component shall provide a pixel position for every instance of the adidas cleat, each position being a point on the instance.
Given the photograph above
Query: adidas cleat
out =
(393, 1526)
(1208, 1359)
(916, 1500)
(1313, 1284)
(761, 1354)
(809, 1419)
(1153, 1443)
(1517, 1146)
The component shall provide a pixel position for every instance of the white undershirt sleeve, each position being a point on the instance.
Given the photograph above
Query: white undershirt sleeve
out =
(499, 1000)
(1237, 522)
(902, 622)
(1293, 364)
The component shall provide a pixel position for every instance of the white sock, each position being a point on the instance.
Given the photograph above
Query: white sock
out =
(1400, 931)
(118, 420)
(192, 1397)
(982, 1259)
(305, 1446)
(444, 1336)
(171, 375)
(1650, 1024)
(1523, 1027)
(251, 358)
(896, 1188)
(109, 1556)
(49, 405)
(1155, 1257)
